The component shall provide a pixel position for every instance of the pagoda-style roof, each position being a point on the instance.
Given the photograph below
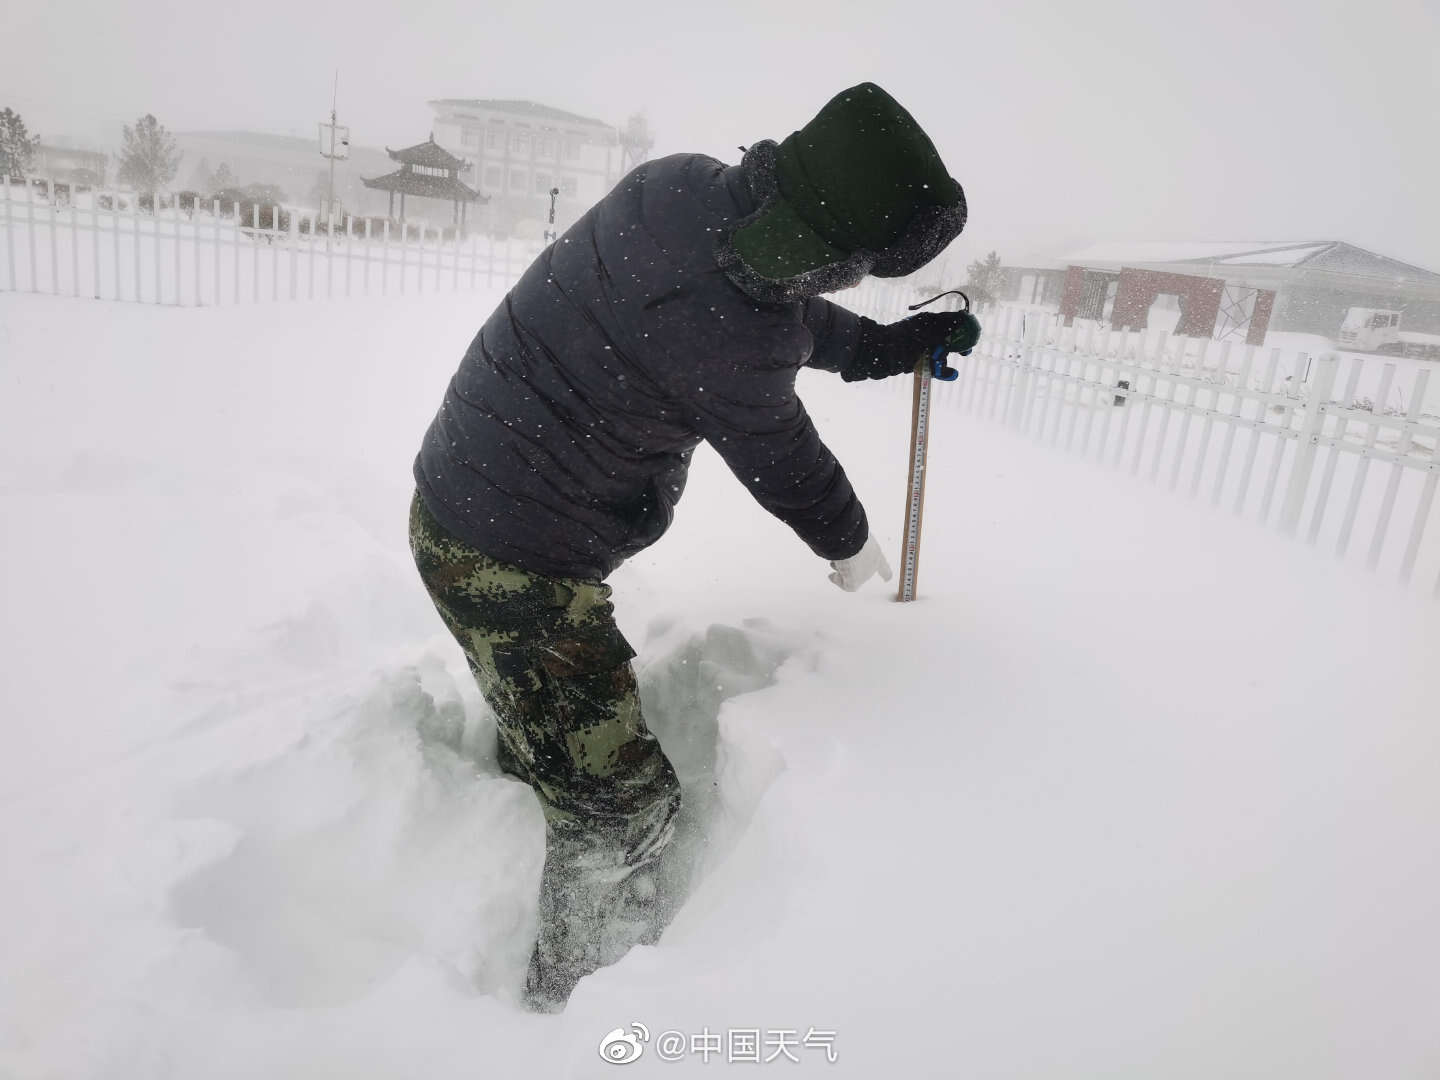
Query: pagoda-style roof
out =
(425, 185)
(429, 154)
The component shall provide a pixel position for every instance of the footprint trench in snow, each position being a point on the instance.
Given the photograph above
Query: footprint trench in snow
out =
(389, 832)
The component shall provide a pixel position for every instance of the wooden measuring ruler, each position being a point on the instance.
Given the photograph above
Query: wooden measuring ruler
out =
(915, 490)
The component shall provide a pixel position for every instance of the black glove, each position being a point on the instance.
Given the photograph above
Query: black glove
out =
(896, 348)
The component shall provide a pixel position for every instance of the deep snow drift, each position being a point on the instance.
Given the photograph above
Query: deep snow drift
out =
(1135, 789)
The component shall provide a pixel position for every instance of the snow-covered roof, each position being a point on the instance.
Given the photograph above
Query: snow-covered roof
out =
(529, 109)
(1289, 256)
(1333, 257)
(429, 154)
(1237, 252)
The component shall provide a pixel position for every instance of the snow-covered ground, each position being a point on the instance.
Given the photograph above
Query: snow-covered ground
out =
(1134, 790)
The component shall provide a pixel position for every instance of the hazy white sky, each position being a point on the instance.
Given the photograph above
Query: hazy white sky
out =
(1065, 121)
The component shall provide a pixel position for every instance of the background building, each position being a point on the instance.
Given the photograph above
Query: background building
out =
(293, 164)
(520, 150)
(67, 164)
(514, 152)
(427, 171)
(1229, 289)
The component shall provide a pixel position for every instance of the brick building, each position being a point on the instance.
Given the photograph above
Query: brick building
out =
(1229, 290)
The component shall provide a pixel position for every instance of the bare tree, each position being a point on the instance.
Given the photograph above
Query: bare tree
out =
(148, 158)
(17, 145)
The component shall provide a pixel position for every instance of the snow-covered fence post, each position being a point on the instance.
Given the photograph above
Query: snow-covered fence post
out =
(310, 249)
(1020, 375)
(369, 233)
(159, 253)
(1010, 407)
(1059, 386)
(54, 258)
(1099, 355)
(1397, 468)
(998, 343)
(385, 259)
(95, 240)
(115, 238)
(1242, 387)
(1427, 498)
(175, 220)
(9, 236)
(1316, 412)
(972, 375)
(1010, 371)
(1282, 435)
(1208, 424)
(215, 237)
(273, 237)
(1060, 389)
(1257, 428)
(985, 350)
(1054, 385)
(1035, 377)
(195, 246)
(1107, 393)
(74, 247)
(998, 366)
(235, 237)
(1149, 368)
(294, 255)
(30, 234)
(1129, 374)
(254, 249)
(1186, 411)
(1337, 445)
(135, 247)
(1077, 372)
(1362, 467)
(404, 250)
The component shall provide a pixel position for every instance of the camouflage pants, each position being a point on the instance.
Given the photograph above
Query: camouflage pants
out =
(555, 669)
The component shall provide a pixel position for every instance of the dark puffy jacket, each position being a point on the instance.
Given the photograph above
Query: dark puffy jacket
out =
(564, 438)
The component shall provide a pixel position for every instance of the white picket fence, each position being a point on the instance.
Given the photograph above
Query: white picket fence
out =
(106, 246)
(1294, 440)
(1259, 430)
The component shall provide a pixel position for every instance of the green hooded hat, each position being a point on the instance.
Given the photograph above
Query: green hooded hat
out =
(858, 190)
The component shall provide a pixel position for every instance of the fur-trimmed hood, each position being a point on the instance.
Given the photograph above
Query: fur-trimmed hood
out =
(929, 231)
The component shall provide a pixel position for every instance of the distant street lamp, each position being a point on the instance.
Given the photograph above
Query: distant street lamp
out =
(550, 232)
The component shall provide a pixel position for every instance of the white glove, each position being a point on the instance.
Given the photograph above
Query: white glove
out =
(853, 572)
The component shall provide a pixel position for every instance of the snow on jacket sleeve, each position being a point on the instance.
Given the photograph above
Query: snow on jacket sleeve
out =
(741, 392)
